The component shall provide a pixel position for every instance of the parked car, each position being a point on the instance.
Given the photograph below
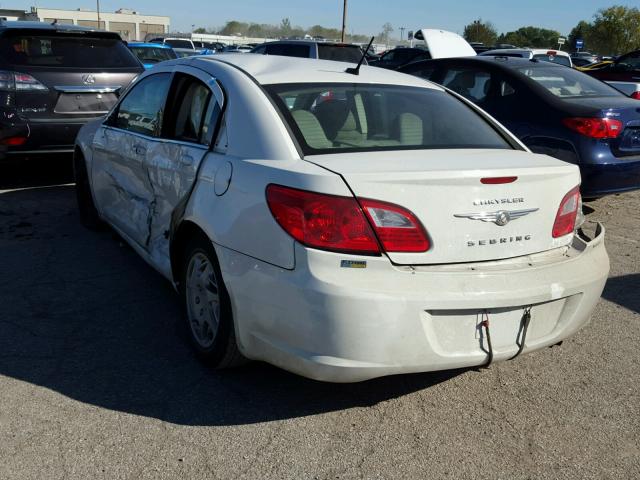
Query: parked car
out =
(236, 49)
(150, 54)
(340, 226)
(400, 56)
(584, 56)
(623, 74)
(437, 44)
(55, 78)
(542, 54)
(581, 62)
(553, 110)
(184, 47)
(341, 52)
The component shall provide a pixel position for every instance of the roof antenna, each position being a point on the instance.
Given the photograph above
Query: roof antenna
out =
(356, 71)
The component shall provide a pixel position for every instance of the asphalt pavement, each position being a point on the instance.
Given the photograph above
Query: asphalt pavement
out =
(97, 380)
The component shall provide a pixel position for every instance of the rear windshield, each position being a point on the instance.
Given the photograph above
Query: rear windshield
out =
(335, 118)
(71, 51)
(339, 53)
(179, 43)
(560, 59)
(153, 55)
(566, 82)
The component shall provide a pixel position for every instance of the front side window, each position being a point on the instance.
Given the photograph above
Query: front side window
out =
(565, 82)
(335, 118)
(141, 111)
(177, 43)
(288, 50)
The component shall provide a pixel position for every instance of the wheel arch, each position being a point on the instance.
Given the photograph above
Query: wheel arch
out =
(185, 230)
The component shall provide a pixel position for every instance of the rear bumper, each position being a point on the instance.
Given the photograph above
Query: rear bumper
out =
(346, 324)
(46, 136)
(607, 178)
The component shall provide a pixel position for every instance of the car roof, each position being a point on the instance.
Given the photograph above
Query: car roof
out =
(533, 51)
(149, 45)
(274, 69)
(24, 25)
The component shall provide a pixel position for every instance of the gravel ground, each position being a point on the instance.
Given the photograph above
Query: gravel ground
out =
(97, 380)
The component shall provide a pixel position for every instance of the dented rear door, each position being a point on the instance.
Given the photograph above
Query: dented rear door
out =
(122, 189)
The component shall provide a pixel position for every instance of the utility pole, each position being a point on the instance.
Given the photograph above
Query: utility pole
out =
(402, 29)
(98, 11)
(344, 19)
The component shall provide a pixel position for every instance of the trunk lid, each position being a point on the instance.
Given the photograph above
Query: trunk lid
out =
(445, 44)
(443, 189)
(72, 93)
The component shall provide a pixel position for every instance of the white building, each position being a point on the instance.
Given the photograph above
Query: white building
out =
(130, 24)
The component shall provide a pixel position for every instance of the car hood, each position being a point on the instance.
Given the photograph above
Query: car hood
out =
(445, 44)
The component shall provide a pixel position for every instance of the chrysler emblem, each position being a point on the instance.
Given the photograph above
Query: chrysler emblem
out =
(500, 218)
(88, 79)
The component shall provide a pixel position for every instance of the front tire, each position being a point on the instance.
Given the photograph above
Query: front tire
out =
(207, 307)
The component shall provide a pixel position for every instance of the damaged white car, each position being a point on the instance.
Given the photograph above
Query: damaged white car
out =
(342, 225)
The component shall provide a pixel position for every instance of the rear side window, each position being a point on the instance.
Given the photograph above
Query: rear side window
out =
(471, 84)
(336, 118)
(566, 82)
(288, 50)
(57, 50)
(560, 59)
(339, 53)
(179, 43)
(153, 55)
(141, 111)
(191, 110)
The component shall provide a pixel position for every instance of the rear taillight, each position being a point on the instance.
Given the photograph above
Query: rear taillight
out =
(339, 224)
(21, 82)
(397, 228)
(594, 127)
(636, 95)
(327, 222)
(13, 141)
(567, 213)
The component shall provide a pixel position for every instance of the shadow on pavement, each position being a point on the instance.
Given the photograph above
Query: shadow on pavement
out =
(84, 316)
(625, 291)
(36, 172)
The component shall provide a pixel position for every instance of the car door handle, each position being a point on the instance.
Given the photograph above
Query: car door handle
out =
(140, 149)
(186, 160)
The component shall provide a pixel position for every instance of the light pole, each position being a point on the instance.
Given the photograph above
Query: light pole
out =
(98, 11)
(402, 29)
(344, 19)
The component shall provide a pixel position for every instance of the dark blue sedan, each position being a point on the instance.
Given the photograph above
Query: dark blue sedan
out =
(554, 110)
(151, 53)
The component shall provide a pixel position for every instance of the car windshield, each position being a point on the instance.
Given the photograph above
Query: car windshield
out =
(560, 59)
(565, 82)
(153, 54)
(334, 118)
(59, 50)
(177, 43)
(339, 53)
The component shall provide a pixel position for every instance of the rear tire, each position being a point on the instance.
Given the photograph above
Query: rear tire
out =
(89, 217)
(207, 307)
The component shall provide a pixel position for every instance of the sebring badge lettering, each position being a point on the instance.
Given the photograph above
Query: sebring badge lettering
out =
(498, 201)
(498, 241)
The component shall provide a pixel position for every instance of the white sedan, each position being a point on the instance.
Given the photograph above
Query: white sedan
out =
(342, 226)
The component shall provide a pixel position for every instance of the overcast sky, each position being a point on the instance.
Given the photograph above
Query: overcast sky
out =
(364, 16)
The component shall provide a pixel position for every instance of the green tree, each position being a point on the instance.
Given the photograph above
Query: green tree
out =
(615, 30)
(533, 37)
(285, 27)
(234, 27)
(580, 31)
(479, 31)
(200, 30)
